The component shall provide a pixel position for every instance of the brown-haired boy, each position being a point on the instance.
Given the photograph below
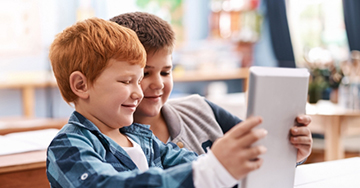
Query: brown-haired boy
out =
(99, 66)
(191, 122)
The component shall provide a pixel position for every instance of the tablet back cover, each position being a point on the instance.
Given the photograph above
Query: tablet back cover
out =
(278, 95)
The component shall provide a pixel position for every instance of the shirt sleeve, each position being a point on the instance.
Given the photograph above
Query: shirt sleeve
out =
(224, 118)
(73, 162)
(209, 172)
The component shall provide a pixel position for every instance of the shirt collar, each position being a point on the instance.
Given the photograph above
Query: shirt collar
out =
(77, 119)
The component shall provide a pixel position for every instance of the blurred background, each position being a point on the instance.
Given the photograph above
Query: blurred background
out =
(213, 37)
(216, 42)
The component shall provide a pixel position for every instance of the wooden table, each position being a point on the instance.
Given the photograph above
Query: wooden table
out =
(334, 122)
(26, 169)
(23, 170)
(22, 124)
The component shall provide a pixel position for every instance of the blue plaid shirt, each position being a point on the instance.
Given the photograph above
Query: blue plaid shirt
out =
(81, 156)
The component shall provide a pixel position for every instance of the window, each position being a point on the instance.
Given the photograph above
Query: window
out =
(317, 31)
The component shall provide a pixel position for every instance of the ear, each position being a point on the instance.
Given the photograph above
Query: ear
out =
(79, 85)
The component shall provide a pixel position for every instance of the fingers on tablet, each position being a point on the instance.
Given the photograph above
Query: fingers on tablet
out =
(245, 127)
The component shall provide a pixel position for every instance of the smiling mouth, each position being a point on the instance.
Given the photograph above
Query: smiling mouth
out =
(152, 97)
(129, 105)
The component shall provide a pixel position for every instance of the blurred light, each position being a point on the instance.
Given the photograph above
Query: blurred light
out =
(319, 55)
(85, 10)
(216, 6)
(237, 5)
(226, 6)
(225, 25)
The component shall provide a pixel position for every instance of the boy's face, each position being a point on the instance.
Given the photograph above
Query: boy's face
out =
(115, 94)
(157, 83)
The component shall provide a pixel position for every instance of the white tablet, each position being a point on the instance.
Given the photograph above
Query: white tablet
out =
(278, 95)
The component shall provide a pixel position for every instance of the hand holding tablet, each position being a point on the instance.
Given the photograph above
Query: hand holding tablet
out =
(278, 95)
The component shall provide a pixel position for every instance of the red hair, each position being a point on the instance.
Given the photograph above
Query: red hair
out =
(87, 46)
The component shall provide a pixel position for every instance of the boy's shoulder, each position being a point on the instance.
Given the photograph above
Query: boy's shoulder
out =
(193, 100)
(192, 104)
(187, 98)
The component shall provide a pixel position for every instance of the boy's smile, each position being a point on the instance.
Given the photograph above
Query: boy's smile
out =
(157, 83)
(154, 98)
(131, 107)
(114, 96)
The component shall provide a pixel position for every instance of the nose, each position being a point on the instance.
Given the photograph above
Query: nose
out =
(137, 94)
(157, 83)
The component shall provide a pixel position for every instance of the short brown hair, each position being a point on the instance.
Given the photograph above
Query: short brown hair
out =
(87, 46)
(153, 32)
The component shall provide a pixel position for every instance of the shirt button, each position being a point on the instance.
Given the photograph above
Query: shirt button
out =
(180, 144)
(84, 176)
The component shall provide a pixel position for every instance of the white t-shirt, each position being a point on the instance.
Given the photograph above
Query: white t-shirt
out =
(137, 155)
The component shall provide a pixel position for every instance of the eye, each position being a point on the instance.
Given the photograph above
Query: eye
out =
(125, 81)
(164, 73)
(146, 74)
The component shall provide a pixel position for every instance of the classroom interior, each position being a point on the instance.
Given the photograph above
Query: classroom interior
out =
(216, 43)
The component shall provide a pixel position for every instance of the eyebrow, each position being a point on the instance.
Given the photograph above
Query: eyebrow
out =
(126, 75)
(151, 67)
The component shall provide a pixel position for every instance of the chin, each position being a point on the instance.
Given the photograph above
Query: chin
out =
(148, 112)
(127, 124)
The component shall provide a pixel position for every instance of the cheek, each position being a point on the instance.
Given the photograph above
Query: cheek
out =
(168, 86)
(118, 97)
(144, 84)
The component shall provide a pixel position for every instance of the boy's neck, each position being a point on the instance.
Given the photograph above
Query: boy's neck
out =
(120, 138)
(157, 125)
(112, 133)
